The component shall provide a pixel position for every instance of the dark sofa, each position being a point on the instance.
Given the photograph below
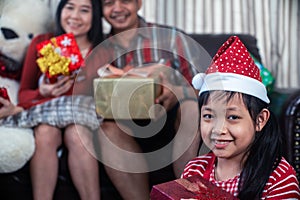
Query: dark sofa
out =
(285, 103)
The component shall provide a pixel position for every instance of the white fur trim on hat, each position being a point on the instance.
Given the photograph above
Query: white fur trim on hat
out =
(198, 80)
(231, 82)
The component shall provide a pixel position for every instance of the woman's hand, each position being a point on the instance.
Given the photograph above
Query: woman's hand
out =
(8, 108)
(56, 89)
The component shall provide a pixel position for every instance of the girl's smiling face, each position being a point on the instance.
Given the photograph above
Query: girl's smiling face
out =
(226, 126)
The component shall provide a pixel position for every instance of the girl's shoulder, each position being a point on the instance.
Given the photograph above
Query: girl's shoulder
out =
(282, 182)
(198, 165)
(284, 169)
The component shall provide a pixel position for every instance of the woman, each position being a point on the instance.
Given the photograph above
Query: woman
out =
(83, 19)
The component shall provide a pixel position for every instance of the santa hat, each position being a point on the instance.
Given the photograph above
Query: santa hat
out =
(232, 69)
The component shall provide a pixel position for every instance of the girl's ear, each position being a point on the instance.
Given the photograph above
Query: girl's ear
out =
(262, 119)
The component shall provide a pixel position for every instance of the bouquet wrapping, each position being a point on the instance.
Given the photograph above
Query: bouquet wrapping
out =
(59, 56)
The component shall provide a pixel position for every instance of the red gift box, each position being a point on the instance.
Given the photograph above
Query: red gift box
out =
(59, 56)
(194, 187)
(3, 94)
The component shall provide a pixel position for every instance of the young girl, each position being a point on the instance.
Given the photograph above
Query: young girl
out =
(243, 135)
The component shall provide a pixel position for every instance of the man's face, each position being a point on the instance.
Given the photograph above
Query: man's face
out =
(121, 14)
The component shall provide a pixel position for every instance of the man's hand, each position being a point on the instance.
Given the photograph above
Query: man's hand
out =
(55, 89)
(170, 93)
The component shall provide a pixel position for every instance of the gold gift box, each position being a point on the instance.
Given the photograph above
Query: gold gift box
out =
(126, 98)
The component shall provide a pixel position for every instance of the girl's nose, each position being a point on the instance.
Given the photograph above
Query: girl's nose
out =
(219, 128)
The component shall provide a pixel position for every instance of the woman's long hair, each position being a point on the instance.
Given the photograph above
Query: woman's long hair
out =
(264, 154)
(95, 35)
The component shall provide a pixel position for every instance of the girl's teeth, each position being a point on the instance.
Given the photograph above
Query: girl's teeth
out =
(221, 142)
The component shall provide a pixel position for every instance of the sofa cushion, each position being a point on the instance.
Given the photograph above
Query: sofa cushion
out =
(212, 42)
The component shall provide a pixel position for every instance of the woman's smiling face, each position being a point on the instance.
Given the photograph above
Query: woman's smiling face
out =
(226, 126)
(76, 17)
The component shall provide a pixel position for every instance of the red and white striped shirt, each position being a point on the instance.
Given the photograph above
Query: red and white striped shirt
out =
(282, 183)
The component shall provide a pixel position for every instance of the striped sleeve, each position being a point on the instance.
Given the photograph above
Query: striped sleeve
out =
(282, 183)
(197, 166)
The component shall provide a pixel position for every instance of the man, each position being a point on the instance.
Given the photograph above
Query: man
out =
(135, 43)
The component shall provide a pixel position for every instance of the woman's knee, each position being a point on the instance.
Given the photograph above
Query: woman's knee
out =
(47, 136)
(77, 135)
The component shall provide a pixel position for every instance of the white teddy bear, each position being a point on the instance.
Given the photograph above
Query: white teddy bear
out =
(20, 21)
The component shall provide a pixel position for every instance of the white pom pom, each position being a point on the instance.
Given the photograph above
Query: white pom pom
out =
(198, 80)
(17, 147)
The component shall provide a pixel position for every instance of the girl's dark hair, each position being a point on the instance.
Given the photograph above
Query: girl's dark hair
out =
(95, 35)
(264, 154)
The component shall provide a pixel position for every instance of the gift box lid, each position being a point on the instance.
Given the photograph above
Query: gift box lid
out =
(194, 187)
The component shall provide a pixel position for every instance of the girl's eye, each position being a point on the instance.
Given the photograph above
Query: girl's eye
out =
(233, 117)
(207, 116)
